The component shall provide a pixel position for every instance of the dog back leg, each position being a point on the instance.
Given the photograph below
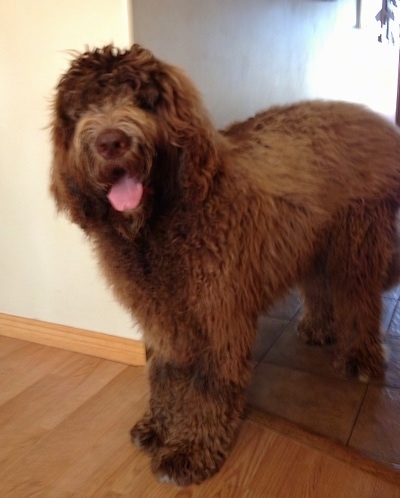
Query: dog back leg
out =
(316, 325)
(393, 269)
(358, 261)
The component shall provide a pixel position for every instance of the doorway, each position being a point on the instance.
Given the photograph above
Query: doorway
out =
(398, 95)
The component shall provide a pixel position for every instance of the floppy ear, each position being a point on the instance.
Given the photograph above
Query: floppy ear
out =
(189, 129)
(166, 91)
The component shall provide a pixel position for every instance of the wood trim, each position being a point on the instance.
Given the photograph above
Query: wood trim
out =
(105, 346)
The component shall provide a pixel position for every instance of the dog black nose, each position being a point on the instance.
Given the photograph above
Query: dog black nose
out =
(112, 143)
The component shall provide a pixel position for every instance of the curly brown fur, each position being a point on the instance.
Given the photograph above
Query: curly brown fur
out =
(221, 225)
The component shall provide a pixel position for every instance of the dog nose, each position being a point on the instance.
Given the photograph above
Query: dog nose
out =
(112, 143)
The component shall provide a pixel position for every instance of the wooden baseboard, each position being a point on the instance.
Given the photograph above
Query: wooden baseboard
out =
(104, 346)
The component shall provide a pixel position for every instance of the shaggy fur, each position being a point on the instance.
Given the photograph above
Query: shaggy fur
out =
(227, 222)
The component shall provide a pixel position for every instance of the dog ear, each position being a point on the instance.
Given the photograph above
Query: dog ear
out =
(167, 92)
(189, 128)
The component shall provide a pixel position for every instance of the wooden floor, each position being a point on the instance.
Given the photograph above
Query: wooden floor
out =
(64, 432)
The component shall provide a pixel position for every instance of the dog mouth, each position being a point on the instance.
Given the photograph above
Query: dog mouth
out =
(126, 193)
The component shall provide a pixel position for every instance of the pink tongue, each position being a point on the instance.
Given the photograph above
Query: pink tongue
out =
(125, 194)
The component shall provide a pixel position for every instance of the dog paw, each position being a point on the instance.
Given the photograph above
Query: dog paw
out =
(145, 437)
(363, 365)
(316, 334)
(183, 468)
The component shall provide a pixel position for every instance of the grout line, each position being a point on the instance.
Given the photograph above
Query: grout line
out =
(391, 317)
(274, 342)
(288, 322)
(357, 414)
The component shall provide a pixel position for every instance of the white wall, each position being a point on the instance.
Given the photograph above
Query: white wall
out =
(46, 267)
(246, 55)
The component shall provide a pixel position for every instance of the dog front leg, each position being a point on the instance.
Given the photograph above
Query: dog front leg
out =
(194, 417)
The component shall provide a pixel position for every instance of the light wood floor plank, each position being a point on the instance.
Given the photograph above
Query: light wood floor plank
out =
(31, 414)
(8, 345)
(102, 463)
(25, 366)
(66, 443)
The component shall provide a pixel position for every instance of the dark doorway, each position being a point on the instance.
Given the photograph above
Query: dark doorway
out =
(398, 96)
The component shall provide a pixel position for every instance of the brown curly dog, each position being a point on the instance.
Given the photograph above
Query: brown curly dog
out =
(197, 231)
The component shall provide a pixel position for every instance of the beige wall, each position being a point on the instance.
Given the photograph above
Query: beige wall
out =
(46, 268)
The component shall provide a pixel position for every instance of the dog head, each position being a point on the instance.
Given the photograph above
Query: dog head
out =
(130, 136)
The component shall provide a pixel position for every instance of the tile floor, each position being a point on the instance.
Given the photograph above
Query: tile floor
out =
(297, 382)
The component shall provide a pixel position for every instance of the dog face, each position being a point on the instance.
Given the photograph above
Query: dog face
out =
(129, 133)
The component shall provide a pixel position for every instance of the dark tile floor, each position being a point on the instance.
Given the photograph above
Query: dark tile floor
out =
(297, 382)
